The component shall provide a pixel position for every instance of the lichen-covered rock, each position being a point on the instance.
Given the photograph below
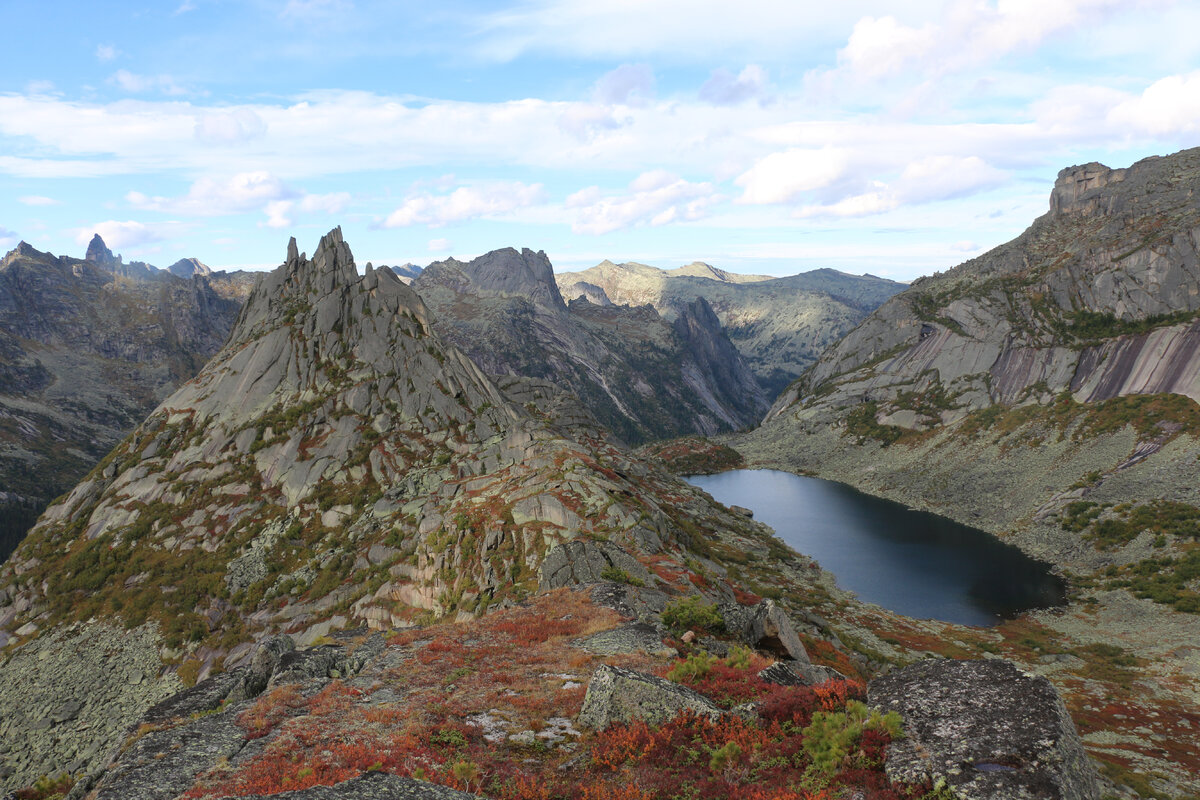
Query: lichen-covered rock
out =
(632, 638)
(766, 627)
(622, 695)
(374, 786)
(582, 561)
(987, 729)
(798, 673)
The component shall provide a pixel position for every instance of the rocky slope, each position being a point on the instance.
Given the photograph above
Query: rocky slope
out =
(336, 464)
(780, 325)
(1046, 392)
(639, 375)
(87, 348)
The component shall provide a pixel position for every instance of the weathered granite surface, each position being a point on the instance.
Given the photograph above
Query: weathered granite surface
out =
(987, 729)
(621, 695)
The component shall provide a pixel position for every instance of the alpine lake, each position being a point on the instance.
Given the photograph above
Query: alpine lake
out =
(911, 562)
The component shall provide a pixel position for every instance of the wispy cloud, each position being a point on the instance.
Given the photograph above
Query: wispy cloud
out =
(137, 84)
(37, 200)
(122, 234)
(464, 203)
(106, 52)
(654, 198)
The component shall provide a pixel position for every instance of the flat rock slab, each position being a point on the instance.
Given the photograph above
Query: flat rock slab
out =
(986, 728)
(374, 786)
(632, 638)
(622, 695)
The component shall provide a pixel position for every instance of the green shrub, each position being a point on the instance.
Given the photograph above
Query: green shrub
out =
(833, 735)
(618, 575)
(695, 666)
(689, 613)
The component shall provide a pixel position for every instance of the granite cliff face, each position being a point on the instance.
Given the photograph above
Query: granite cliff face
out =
(640, 376)
(87, 349)
(336, 464)
(780, 325)
(1096, 298)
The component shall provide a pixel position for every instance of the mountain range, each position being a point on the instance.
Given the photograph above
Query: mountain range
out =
(780, 325)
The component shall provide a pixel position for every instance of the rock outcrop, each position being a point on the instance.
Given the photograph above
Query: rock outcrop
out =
(779, 325)
(986, 729)
(638, 375)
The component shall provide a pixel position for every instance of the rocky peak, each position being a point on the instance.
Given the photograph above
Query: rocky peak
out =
(24, 250)
(187, 267)
(1076, 186)
(509, 272)
(98, 253)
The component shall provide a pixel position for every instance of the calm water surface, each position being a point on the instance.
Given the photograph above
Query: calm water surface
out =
(916, 563)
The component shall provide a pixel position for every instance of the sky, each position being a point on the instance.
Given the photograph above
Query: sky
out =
(764, 136)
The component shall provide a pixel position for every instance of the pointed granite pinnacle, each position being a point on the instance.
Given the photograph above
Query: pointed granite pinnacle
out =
(293, 251)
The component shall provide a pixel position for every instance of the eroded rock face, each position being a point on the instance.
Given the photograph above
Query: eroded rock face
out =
(764, 626)
(582, 561)
(987, 729)
(622, 695)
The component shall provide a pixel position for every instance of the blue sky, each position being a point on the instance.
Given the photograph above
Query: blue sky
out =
(769, 136)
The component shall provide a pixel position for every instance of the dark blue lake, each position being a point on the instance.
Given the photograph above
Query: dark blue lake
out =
(918, 564)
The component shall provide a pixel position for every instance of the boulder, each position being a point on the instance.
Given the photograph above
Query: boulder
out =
(632, 638)
(584, 561)
(987, 729)
(798, 673)
(622, 695)
(374, 786)
(764, 626)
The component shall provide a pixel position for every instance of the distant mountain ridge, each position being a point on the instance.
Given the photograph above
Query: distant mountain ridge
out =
(641, 376)
(87, 347)
(780, 325)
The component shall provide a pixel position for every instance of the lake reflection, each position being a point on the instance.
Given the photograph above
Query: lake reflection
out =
(918, 564)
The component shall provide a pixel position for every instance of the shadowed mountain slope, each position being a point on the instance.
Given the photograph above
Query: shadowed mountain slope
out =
(641, 376)
(780, 325)
(87, 349)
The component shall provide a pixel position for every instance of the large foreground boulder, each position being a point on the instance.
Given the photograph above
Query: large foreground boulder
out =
(987, 729)
(622, 695)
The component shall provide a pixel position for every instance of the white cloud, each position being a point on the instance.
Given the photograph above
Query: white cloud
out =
(691, 30)
(106, 52)
(926, 180)
(465, 202)
(723, 88)
(440, 246)
(37, 200)
(7, 238)
(781, 177)
(1168, 106)
(628, 84)
(132, 82)
(117, 235)
(968, 33)
(655, 198)
(277, 212)
(245, 191)
(38, 87)
(230, 127)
